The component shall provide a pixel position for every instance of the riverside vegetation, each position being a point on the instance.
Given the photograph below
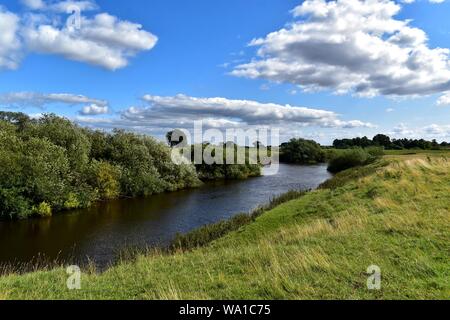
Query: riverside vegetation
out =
(393, 213)
(50, 164)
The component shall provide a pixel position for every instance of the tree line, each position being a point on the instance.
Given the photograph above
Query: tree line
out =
(386, 142)
(51, 164)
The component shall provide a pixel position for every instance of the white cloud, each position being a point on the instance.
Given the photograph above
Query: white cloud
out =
(402, 130)
(60, 6)
(34, 4)
(389, 110)
(433, 131)
(9, 42)
(40, 100)
(166, 113)
(68, 6)
(444, 100)
(351, 46)
(222, 112)
(103, 40)
(94, 109)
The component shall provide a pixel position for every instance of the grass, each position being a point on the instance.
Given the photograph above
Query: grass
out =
(444, 152)
(393, 214)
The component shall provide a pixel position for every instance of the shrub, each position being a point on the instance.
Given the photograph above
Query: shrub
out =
(346, 159)
(43, 210)
(301, 151)
(105, 179)
(72, 202)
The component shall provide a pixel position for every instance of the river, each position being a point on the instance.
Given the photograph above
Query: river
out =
(99, 232)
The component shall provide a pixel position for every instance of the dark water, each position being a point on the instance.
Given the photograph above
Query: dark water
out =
(100, 231)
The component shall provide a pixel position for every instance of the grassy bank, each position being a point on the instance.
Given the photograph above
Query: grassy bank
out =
(393, 213)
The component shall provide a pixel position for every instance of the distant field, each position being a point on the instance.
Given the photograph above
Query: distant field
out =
(412, 152)
(393, 214)
(445, 152)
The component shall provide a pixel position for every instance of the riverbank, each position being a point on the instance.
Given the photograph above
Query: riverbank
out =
(393, 214)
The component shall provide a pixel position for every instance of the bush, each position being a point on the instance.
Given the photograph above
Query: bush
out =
(224, 170)
(301, 151)
(105, 179)
(345, 159)
(53, 163)
(43, 210)
(72, 202)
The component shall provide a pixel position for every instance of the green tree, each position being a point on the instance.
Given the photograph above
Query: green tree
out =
(382, 140)
(301, 151)
(105, 179)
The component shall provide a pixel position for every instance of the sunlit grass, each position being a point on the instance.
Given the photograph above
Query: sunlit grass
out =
(394, 214)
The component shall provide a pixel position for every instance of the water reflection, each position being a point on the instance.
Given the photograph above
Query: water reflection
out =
(100, 231)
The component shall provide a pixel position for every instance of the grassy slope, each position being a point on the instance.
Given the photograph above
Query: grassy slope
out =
(318, 246)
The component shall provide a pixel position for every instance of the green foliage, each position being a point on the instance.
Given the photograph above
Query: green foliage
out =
(105, 179)
(72, 202)
(223, 169)
(53, 162)
(384, 141)
(43, 210)
(301, 151)
(317, 246)
(345, 159)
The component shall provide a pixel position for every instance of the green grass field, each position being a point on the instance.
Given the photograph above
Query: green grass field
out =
(394, 214)
(443, 152)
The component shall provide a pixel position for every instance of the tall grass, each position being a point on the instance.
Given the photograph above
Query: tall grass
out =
(393, 213)
(205, 235)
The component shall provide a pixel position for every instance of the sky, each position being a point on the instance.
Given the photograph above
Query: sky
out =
(315, 69)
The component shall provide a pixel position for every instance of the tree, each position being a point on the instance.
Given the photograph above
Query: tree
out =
(382, 140)
(301, 151)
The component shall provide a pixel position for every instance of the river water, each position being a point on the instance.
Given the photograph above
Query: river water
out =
(99, 232)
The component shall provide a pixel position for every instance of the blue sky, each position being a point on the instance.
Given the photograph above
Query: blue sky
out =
(199, 45)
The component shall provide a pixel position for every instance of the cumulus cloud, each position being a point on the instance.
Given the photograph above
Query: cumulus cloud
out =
(444, 100)
(9, 41)
(433, 131)
(101, 40)
(161, 114)
(34, 4)
(40, 100)
(66, 6)
(402, 130)
(94, 109)
(182, 111)
(351, 46)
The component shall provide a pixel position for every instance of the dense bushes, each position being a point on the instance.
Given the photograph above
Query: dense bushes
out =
(301, 151)
(222, 168)
(51, 164)
(341, 160)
